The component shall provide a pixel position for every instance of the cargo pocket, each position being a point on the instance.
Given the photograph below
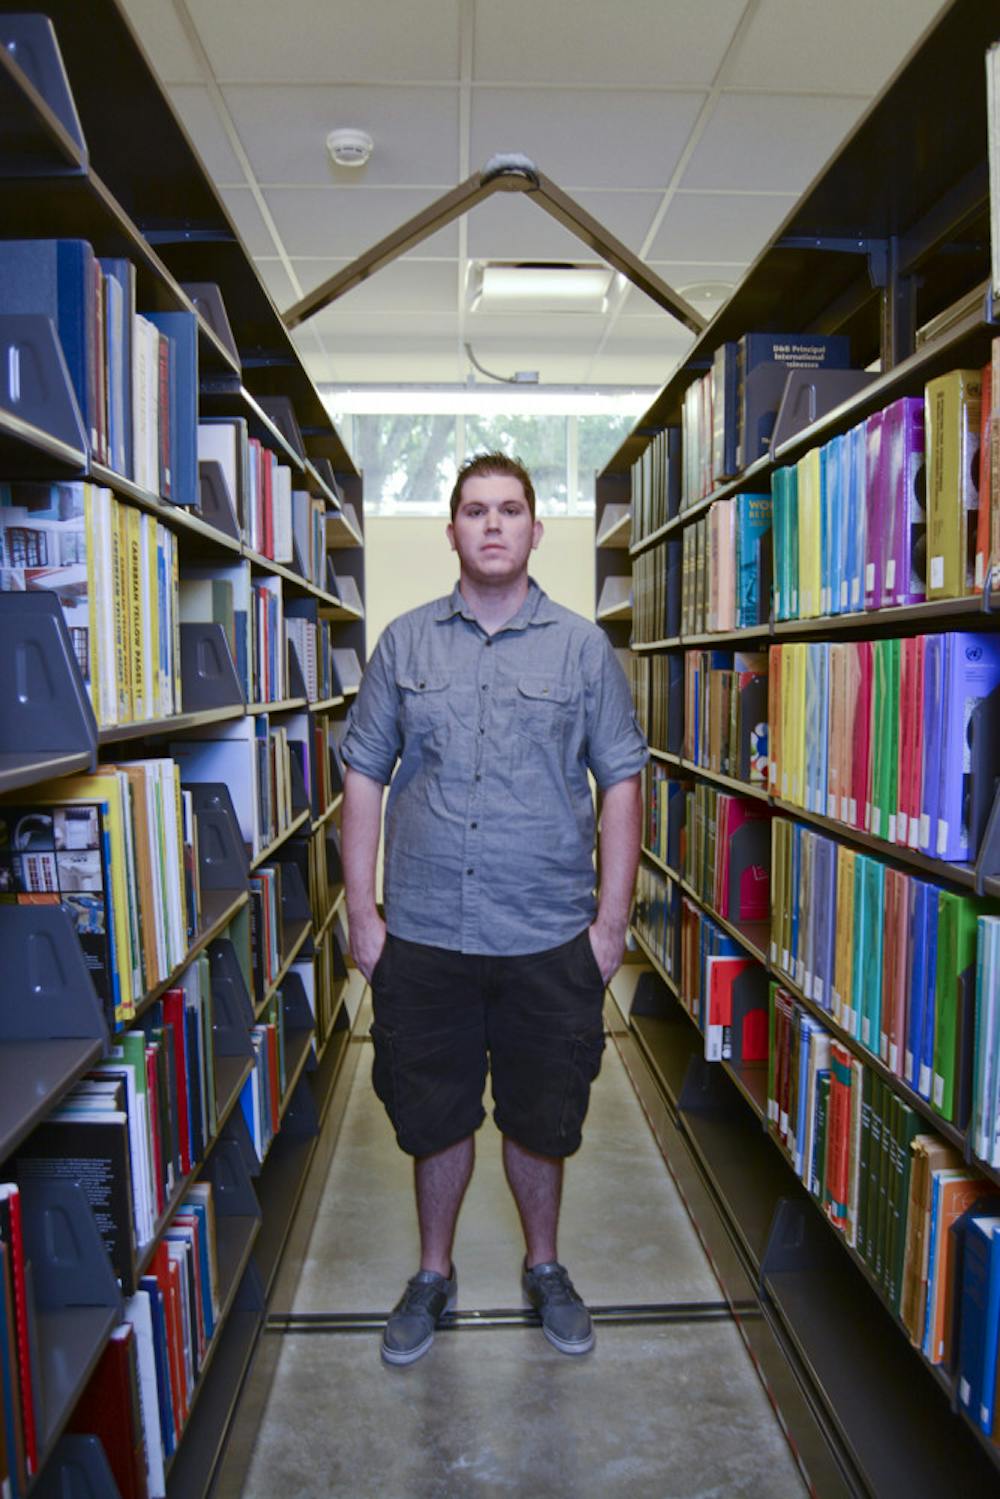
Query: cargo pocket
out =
(584, 1065)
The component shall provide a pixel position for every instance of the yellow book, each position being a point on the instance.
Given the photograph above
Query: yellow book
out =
(846, 859)
(123, 631)
(110, 789)
(951, 437)
(133, 533)
(810, 542)
(175, 618)
(151, 614)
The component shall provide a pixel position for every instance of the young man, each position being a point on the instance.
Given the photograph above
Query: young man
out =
(496, 703)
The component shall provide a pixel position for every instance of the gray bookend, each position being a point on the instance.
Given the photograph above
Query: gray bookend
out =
(228, 1171)
(296, 676)
(45, 707)
(35, 384)
(77, 1469)
(294, 894)
(790, 1241)
(703, 1087)
(300, 796)
(69, 1263)
(298, 1016)
(31, 41)
(215, 501)
(238, 1137)
(222, 855)
(301, 1120)
(651, 996)
(810, 394)
(233, 1012)
(208, 674)
(47, 993)
(282, 414)
(208, 303)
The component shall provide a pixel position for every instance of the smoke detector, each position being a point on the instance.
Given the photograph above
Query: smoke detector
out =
(349, 148)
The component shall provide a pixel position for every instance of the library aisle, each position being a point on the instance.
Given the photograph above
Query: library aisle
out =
(666, 1406)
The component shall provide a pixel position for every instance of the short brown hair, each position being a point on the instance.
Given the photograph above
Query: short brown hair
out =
(493, 463)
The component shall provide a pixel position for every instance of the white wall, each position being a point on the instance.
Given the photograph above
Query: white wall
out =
(408, 562)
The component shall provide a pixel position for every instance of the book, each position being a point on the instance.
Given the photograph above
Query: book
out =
(952, 426)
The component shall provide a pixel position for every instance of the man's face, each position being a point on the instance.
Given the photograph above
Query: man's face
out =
(493, 532)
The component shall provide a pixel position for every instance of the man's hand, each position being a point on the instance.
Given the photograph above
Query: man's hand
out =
(608, 945)
(367, 938)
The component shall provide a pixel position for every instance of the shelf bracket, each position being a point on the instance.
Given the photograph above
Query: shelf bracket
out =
(511, 173)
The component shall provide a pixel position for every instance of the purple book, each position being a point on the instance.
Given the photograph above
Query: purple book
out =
(875, 508)
(933, 708)
(971, 673)
(905, 516)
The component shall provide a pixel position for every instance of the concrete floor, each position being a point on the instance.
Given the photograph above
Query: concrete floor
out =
(668, 1411)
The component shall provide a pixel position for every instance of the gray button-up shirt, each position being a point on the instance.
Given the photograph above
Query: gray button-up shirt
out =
(489, 823)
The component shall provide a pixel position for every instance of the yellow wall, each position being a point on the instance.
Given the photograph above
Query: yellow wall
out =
(408, 562)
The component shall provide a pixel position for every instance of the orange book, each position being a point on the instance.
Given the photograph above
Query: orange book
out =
(955, 1191)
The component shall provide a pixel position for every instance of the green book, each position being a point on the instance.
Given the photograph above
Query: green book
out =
(956, 952)
(908, 1123)
(874, 1168)
(778, 545)
(822, 1122)
(889, 1105)
(864, 1159)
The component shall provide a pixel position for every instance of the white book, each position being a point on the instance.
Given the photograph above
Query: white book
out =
(281, 506)
(139, 1313)
(223, 442)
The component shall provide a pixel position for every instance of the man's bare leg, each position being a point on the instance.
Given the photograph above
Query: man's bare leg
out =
(536, 1182)
(440, 1181)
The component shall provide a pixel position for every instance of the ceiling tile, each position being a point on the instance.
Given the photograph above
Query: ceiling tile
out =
(403, 286)
(333, 324)
(164, 40)
(371, 360)
(851, 47)
(508, 227)
(560, 327)
(248, 219)
(307, 41)
(199, 116)
(586, 138)
(719, 226)
(634, 43)
(640, 365)
(769, 142)
(343, 221)
(284, 130)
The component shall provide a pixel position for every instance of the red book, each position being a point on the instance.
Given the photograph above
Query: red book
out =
(109, 1409)
(12, 1234)
(268, 465)
(838, 1134)
(916, 791)
(907, 667)
(173, 1015)
(721, 974)
(902, 973)
(167, 1273)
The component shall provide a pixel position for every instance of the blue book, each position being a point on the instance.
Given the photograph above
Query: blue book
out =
(826, 523)
(764, 360)
(778, 541)
(796, 888)
(916, 999)
(58, 277)
(792, 542)
(753, 522)
(151, 1285)
(980, 1300)
(119, 287)
(835, 500)
(925, 1064)
(933, 729)
(806, 1028)
(861, 935)
(181, 328)
(971, 673)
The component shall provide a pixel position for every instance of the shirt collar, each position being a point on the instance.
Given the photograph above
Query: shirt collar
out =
(537, 609)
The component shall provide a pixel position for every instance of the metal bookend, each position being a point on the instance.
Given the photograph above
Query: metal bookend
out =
(207, 299)
(282, 414)
(222, 855)
(46, 709)
(47, 993)
(298, 1015)
(208, 672)
(810, 394)
(77, 1469)
(216, 503)
(232, 1190)
(791, 1241)
(232, 1010)
(70, 1264)
(509, 173)
(296, 679)
(35, 383)
(31, 42)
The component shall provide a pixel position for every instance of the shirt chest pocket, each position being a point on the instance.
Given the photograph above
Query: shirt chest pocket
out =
(543, 707)
(423, 701)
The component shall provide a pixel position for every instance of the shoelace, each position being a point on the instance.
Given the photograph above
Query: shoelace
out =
(418, 1296)
(557, 1287)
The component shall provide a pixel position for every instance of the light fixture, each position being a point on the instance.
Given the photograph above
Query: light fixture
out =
(715, 292)
(349, 147)
(534, 287)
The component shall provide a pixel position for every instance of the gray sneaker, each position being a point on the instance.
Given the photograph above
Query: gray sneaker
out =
(409, 1331)
(565, 1320)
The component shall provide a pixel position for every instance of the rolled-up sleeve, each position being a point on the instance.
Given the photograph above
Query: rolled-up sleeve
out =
(372, 739)
(616, 745)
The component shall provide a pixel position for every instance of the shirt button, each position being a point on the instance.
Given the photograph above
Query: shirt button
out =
(478, 777)
(489, 642)
(470, 871)
(473, 824)
(486, 686)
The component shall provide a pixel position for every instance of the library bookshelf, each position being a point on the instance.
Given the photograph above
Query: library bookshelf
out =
(892, 236)
(128, 181)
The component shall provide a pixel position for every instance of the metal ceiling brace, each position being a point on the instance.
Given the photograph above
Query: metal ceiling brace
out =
(504, 174)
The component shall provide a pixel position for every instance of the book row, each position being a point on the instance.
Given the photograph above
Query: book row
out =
(729, 414)
(924, 1222)
(900, 739)
(656, 484)
(657, 683)
(725, 844)
(725, 713)
(114, 569)
(908, 969)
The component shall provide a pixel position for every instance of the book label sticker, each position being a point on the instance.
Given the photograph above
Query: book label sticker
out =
(938, 1097)
(937, 572)
(924, 1085)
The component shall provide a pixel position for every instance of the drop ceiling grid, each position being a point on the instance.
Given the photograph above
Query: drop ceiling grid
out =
(688, 128)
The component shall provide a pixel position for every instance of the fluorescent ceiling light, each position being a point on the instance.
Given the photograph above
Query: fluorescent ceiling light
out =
(558, 288)
(463, 400)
